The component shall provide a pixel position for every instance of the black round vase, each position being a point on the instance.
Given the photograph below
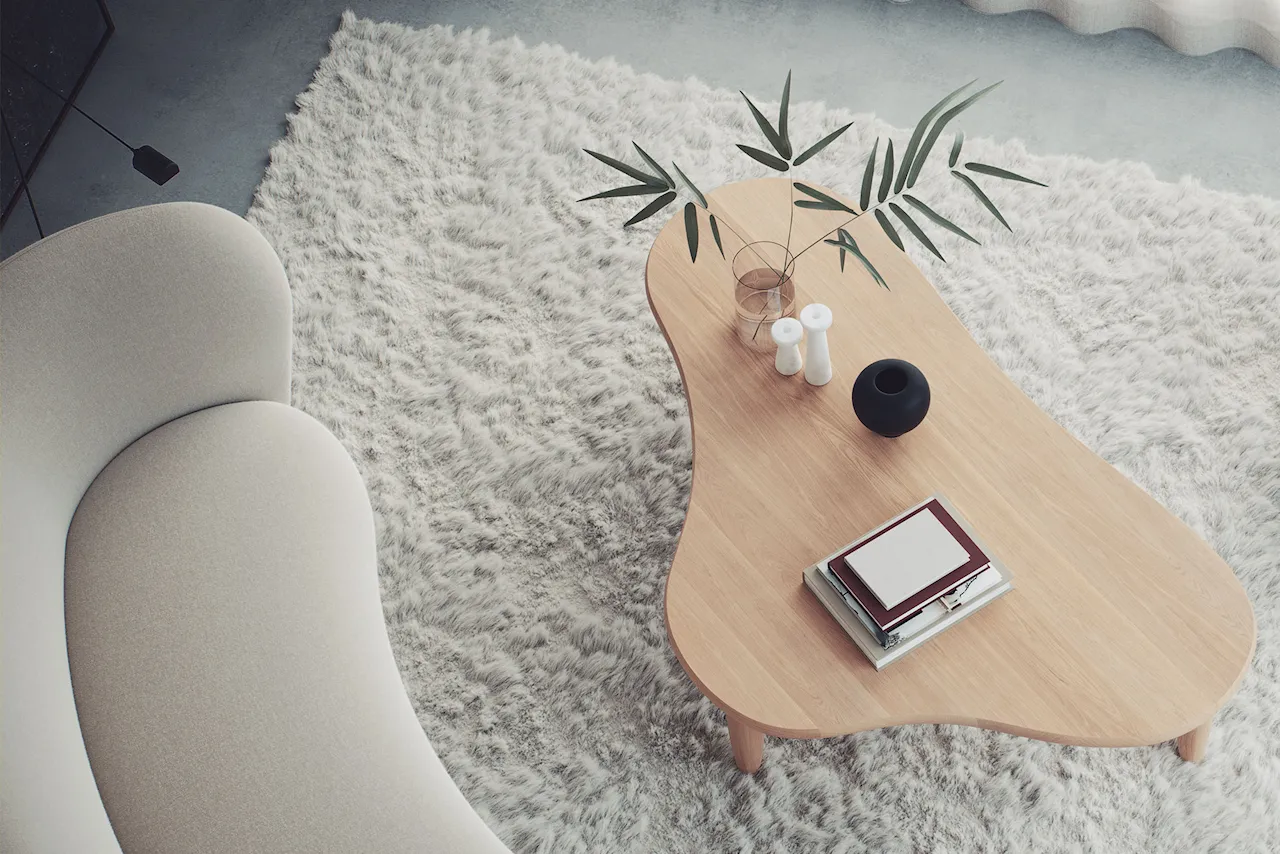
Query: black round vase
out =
(891, 397)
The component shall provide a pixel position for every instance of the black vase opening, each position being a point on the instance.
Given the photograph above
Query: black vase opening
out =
(891, 397)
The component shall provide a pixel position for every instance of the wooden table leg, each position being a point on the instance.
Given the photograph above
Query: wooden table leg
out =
(748, 745)
(1193, 745)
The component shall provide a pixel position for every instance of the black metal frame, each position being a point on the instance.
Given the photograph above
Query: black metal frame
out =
(62, 114)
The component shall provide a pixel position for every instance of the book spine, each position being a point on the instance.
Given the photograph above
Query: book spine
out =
(885, 639)
(971, 589)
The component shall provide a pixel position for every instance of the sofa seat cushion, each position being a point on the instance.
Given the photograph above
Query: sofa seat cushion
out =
(230, 663)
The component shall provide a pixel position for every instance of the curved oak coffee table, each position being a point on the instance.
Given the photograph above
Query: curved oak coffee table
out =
(1123, 629)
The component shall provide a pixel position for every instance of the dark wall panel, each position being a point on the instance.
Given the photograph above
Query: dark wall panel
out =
(58, 41)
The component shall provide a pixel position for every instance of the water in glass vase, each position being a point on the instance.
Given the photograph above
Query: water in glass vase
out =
(763, 292)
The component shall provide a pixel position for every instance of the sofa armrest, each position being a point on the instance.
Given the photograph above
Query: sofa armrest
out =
(236, 687)
(107, 330)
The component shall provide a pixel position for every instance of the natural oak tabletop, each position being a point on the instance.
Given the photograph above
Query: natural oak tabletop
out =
(1124, 627)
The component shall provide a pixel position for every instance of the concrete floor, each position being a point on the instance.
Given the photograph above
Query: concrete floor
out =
(209, 84)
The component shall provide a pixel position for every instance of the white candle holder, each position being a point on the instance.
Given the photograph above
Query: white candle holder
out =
(816, 319)
(787, 333)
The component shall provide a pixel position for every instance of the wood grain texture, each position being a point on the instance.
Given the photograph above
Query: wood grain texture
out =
(748, 745)
(1194, 745)
(1124, 629)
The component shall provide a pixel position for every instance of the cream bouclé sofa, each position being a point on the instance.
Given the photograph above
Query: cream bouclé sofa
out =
(194, 657)
(1194, 27)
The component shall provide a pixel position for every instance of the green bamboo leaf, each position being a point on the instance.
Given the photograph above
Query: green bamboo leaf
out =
(843, 249)
(997, 172)
(821, 196)
(982, 197)
(918, 134)
(766, 158)
(955, 150)
(888, 229)
(702, 200)
(769, 133)
(814, 204)
(652, 208)
(821, 144)
(939, 219)
(715, 232)
(864, 200)
(630, 171)
(691, 229)
(871, 268)
(633, 190)
(845, 244)
(866, 262)
(915, 229)
(785, 151)
(653, 164)
(932, 136)
(886, 178)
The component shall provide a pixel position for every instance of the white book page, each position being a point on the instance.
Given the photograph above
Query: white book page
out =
(907, 558)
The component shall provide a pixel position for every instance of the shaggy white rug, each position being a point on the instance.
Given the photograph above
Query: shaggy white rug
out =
(482, 345)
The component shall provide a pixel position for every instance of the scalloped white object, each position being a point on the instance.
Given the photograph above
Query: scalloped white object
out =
(1193, 27)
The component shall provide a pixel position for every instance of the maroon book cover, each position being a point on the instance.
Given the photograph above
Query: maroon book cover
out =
(888, 618)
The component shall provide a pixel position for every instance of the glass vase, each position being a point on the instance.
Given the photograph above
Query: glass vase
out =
(764, 291)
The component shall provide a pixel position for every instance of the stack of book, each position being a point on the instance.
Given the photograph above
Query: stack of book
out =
(908, 580)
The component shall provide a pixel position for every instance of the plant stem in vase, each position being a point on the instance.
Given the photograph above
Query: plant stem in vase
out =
(764, 291)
